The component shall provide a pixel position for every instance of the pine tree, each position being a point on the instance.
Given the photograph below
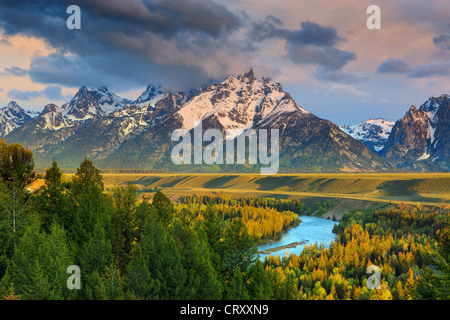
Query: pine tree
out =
(16, 171)
(124, 222)
(202, 278)
(237, 248)
(163, 259)
(39, 263)
(97, 252)
(108, 285)
(259, 287)
(236, 288)
(139, 280)
(434, 282)
(86, 175)
(164, 208)
(51, 201)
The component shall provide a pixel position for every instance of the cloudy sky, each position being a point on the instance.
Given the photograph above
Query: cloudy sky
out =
(320, 51)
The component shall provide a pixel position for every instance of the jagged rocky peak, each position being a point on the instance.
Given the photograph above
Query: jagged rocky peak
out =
(373, 132)
(149, 94)
(94, 103)
(434, 103)
(83, 106)
(51, 108)
(250, 74)
(13, 105)
(422, 135)
(13, 109)
(13, 116)
(239, 102)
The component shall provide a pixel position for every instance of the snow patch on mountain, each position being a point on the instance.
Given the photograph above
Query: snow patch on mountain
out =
(13, 116)
(373, 132)
(238, 103)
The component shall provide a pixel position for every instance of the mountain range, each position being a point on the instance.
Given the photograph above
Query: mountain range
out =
(118, 133)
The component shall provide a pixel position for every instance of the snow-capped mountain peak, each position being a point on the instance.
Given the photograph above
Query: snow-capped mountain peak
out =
(150, 96)
(88, 104)
(239, 103)
(109, 102)
(373, 132)
(13, 116)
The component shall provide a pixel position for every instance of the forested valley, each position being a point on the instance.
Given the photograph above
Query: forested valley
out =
(202, 247)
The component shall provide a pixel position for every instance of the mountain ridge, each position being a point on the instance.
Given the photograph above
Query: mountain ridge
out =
(120, 133)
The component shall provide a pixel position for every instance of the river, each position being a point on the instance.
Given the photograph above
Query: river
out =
(310, 230)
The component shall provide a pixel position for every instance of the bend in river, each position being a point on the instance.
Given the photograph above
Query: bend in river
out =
(310, 230)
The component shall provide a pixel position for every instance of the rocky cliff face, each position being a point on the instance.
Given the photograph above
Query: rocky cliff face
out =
(12, 116)
(421, 138)
(373, 133)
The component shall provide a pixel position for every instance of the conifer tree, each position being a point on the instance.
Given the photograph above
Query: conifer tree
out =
(202, 278)
(259, 287)
(39, 264)
(236, 288)
(124, 222)
(164, 208)
(51, 202)
(86, 176)
(139, 280)
(237, 247)
(163, 259)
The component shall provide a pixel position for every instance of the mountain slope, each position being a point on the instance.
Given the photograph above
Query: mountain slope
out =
(13, 116)
(373, 133)
(421, 139)
(54, 125)
(307, 143)
(105, 134)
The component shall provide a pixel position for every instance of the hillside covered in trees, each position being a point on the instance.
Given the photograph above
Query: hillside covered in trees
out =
(200, 248)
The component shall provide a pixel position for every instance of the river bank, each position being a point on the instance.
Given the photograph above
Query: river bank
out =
(311, 230)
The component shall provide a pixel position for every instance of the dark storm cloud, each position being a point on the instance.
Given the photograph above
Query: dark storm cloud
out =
(311, 44)
(314, 34)
(329, 58)
(123, 42)
(167, 17)
(443, 41)
(392, 65)
(310, 33)
(117, 72)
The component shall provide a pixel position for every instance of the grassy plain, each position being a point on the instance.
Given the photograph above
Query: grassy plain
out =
(410, 188)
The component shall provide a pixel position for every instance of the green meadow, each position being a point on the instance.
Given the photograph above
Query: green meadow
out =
(349, 190)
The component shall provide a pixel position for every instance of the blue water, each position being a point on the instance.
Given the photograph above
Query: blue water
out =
(311, 230)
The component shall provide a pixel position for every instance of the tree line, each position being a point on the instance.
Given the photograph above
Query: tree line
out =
(261, 216)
